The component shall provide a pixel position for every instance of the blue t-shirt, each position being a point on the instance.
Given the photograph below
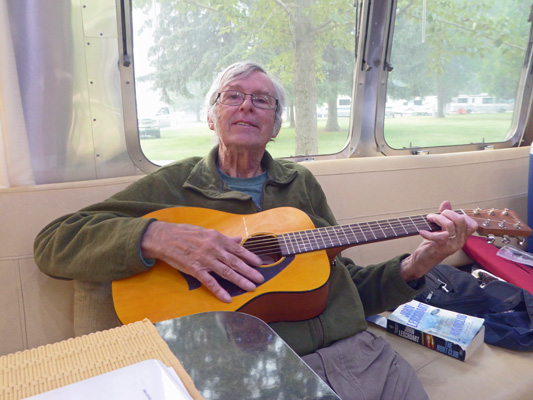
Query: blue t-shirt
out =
(252, 186)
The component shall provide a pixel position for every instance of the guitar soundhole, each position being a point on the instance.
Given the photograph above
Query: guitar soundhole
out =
(266, 246)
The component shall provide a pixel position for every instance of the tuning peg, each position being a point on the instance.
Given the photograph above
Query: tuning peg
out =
(492, 211)
(490, 239)
(477, 211)
(521, 241)
(505, 211)
(506, 239)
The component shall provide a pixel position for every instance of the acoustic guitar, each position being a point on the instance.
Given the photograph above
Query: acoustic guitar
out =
(296, 256)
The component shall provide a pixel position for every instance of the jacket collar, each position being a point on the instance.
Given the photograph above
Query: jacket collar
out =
(204, 176)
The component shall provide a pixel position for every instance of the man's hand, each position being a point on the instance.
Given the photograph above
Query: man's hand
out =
(198, 251)
(436, 246)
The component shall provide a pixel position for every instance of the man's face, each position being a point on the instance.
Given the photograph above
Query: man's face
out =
(245, 126)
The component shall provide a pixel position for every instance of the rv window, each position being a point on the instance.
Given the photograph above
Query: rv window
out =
(457, 70)
(179, 47)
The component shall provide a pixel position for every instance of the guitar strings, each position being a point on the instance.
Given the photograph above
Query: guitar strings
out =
(350, 234)
(269, 245)
(336, 236)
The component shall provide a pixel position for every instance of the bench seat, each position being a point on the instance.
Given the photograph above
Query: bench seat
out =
(37, 310)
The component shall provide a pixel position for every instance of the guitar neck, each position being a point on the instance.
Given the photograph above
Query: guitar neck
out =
(343, 236)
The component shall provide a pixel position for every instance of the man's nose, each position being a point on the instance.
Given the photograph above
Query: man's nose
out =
(247, 102)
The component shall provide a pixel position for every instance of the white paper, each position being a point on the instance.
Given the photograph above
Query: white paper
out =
(147, 380)
(516, 254)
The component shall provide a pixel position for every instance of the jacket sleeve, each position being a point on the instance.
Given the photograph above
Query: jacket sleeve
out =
(101, 242)
(97, 244)
(381, 286)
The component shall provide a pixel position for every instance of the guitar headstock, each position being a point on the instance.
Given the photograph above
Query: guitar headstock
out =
(493, 222)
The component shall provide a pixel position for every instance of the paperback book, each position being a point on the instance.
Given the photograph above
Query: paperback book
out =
(456, 335)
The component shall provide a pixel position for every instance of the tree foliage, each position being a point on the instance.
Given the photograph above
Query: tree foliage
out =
(193, 41)
(453, 46)
(442, 49)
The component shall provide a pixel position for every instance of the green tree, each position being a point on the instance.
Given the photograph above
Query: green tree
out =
(457, 45)
(193, 41)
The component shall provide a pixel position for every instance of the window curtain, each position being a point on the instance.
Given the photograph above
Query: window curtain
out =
(15, 161)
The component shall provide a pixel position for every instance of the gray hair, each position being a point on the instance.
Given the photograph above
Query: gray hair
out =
(241, 70)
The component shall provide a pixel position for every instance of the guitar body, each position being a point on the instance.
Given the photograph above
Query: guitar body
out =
(295, 287)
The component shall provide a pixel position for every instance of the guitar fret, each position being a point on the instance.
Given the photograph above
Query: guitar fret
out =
(415, 226)
(312, 240)
(315, 247)
(299, 243)
(329, 236)
(337, 230)
(371, 231)
(427, 225)
(401, 227)
(378, 231)
(353, 233)
(391, 228)
(347, 240)
(424, 223)
(407, 224)
(360, 234)
(288, 236)
(336, 236)
(323, 241)
(302, 241)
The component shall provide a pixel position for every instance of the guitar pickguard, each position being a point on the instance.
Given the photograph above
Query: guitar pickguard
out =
(268, 273)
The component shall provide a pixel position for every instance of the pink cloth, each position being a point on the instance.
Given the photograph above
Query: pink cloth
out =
(484, 254)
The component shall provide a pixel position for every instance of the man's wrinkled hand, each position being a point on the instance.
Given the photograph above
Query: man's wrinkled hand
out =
(436, 246)
(199, 252)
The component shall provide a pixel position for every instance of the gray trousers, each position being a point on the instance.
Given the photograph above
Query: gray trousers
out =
(365, 366)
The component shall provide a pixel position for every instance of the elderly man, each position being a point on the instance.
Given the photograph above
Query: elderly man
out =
(110, 241)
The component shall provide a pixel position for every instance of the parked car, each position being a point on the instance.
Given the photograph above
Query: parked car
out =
(149, 128)
(163, 117)
(390, 112)
(322, 112)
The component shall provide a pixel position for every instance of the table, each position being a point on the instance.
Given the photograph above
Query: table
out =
(232, 355)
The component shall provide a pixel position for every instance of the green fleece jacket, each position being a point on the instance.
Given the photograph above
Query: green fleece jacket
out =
(101, 243)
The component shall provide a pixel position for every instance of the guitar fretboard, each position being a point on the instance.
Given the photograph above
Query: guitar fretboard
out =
(353, 234)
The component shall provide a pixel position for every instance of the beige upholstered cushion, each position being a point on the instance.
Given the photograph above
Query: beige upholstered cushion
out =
(93, 308)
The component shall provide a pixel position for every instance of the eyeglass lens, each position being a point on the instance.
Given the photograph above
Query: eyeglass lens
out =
(236, 98)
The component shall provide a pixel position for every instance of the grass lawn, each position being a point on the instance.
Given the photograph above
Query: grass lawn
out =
(454, 129)
(195, 139)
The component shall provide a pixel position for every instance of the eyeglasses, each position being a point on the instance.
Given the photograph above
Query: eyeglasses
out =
(236, 98)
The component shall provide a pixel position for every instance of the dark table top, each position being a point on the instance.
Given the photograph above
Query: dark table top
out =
(231, 355)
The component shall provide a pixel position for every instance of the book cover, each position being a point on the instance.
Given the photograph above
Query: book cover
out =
(454, 334)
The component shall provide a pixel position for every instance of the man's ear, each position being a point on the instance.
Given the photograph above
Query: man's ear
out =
(210, 123)
(276, 130)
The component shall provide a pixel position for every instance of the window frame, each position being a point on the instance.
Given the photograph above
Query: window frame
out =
(515, 136)
(374, 24)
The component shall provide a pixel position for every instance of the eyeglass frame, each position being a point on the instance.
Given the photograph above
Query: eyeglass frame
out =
(244, 97)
